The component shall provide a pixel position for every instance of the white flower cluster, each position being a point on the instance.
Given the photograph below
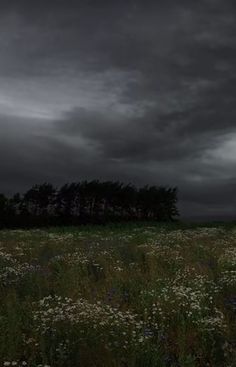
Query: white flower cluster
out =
(6, 257)
(228, 258)
(188, 296)
(228, 278)
(15, 363)
(74, 258)
(12, 274)
(114, 328)
(185, 236)
(21, 364)
(60, 237)
(167, 253)
(213, 323)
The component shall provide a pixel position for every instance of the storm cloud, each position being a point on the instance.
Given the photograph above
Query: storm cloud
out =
(137, 91)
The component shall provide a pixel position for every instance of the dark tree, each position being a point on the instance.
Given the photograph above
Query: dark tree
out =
(38, 204)
(87, 202)
(3, 210)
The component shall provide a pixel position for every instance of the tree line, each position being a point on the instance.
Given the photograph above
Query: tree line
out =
(87, 202)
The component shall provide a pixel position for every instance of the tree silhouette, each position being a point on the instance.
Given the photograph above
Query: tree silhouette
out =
(87, 202)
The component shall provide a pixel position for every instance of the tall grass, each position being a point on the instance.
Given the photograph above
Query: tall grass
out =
(125, 295)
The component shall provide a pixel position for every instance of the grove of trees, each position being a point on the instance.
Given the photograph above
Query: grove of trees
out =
(87, 202)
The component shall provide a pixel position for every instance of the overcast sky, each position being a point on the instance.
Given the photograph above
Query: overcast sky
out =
(137, 91)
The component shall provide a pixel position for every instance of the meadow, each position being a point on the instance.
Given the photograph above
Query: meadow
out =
(145, 295)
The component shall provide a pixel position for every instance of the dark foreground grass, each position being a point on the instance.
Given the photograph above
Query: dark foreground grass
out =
(142, 295)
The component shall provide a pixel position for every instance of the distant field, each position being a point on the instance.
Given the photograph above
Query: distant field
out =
(118, 296)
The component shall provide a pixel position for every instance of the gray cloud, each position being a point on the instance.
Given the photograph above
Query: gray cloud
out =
(130, 90)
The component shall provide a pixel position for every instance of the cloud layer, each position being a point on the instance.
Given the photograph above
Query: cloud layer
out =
(132, 90)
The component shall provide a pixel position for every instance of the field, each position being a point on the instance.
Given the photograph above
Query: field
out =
(118, 296)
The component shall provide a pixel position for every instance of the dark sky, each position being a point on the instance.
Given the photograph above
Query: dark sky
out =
(138, 91)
